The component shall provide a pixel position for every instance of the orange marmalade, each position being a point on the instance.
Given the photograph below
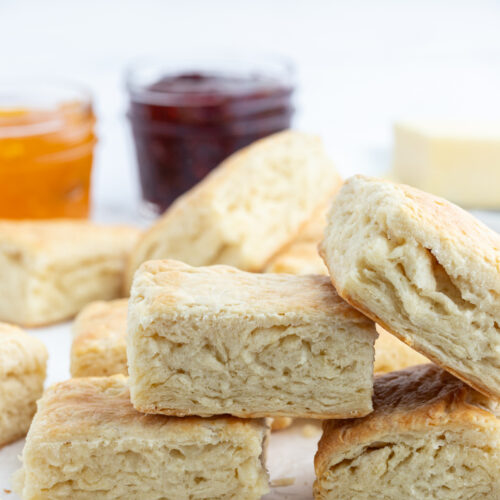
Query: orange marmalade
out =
(46, 153)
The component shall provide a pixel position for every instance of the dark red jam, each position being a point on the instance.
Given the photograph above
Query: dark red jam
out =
(185, 125)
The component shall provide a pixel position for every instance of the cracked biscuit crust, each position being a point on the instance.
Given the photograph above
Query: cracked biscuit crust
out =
(422, 268)
(430, 436)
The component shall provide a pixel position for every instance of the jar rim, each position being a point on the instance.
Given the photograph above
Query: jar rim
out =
(42, 94)
(144, 71)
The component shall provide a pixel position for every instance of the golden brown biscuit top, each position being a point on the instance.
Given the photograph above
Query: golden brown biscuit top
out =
(418, 398)
(414, 388)
(20, 352)
(58, 237)
(100, 408)
(441, 223)
(171, 287)
(102, 321)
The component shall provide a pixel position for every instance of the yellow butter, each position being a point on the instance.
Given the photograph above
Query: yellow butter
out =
(459, 161)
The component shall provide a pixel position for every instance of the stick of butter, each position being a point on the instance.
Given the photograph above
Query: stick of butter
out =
(459, 161)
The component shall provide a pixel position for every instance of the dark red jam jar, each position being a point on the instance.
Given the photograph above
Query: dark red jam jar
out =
(188, 117)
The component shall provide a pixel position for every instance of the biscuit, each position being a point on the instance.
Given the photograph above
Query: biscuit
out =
(430, 436)
(247, 209)
(99, 346)
(391, 354)
(23, 361)
(215, 340)
(88, 442)
(422, 268)
(49, 270)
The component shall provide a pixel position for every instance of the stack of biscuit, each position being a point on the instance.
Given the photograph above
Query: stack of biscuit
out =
(234, 318)
(429, 273)
(211, 351)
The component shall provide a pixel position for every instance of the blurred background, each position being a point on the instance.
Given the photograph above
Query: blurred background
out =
(360, 66)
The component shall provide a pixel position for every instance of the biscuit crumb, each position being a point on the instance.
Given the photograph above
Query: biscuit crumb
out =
(282, 482)
(309, 431)
(7, 491)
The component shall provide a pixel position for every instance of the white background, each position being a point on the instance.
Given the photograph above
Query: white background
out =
(361, 64)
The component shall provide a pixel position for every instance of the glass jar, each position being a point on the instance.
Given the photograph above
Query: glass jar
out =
(46, 150)
(188, 116)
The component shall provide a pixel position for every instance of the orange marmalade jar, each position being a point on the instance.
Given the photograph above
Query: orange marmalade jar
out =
(46, 150)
